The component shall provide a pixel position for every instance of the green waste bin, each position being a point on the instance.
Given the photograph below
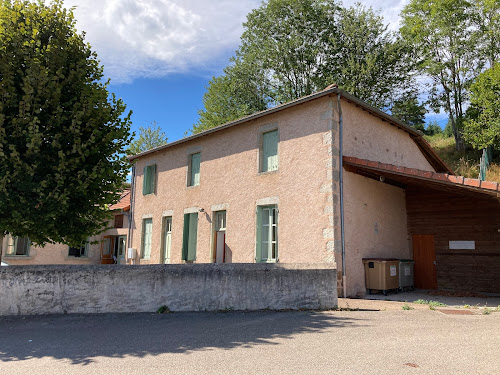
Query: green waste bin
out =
(406, 272)
(381, 274)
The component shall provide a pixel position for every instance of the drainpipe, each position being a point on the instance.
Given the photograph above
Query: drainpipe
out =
(341, 182)
(131, 212)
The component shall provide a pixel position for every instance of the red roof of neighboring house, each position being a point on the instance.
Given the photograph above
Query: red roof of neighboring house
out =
(123, 203)
(403, 174)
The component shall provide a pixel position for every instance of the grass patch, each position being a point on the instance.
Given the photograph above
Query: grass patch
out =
(462, 163)
(407, 307)
(163, 310)
(430, 303)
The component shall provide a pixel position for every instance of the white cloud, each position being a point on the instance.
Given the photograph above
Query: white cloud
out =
(152, 38)
(389, 9)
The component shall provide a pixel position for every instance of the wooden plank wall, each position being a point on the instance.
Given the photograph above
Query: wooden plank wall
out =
(459, 217)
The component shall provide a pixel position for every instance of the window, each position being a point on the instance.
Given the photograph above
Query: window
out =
(189, 237)
(148, 183)
(120, 246)
(18, 246)
(79, 251)
(267, 234)
(194, 169)
(269, 152)
(118, 221)
(147, 235)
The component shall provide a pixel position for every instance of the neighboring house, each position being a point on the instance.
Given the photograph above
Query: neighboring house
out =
(99, 249)
(272, 187)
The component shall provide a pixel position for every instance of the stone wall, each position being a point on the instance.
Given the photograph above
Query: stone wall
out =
(33, 290)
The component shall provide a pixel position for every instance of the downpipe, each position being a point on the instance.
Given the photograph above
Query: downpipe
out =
(341, 182)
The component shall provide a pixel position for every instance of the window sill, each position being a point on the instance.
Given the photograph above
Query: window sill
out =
(18, 256)
(268, 172)
(147, 195)
(193, 186)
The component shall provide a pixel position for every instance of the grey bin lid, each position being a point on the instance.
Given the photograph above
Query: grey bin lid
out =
(407, 261)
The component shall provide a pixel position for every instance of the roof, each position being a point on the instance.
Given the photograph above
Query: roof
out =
(123, 203)
(437, 163)
(404, 175)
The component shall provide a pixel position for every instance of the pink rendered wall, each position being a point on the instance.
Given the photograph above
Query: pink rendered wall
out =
(229, 178)
(368, 137)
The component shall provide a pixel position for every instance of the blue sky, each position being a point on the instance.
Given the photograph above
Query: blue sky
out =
(160, 54)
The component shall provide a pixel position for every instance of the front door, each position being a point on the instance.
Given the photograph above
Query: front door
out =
(167, 241)
(107, 247)
(220, 237)
(120, 245)
(424, 255)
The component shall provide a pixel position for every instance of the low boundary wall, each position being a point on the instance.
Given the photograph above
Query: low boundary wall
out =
(33, 290)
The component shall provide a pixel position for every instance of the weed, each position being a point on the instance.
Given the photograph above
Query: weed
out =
(406, 307)
(430, 303)
(163, 310)
(431, 307)
(467, 306)
(421, 301)
(486, 311)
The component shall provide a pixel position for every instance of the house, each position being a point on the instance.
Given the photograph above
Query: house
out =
(322, 179)
(98, 249)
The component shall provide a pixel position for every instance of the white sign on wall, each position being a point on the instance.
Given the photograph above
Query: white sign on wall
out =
(462, 245)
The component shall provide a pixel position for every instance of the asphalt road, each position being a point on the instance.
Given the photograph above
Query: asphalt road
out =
(338, 342)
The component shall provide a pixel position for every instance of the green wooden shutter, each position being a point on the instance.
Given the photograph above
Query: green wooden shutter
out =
(148, 183)
(195, 169)
(258, 243)
(145, 181)
(193, 236)
(185, 237)
(152, 178)
(270, 151)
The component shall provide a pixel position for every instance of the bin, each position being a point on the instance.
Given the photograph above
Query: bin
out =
(406, 272)
(381, 274)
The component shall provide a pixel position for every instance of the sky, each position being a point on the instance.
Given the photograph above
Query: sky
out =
(160, 54)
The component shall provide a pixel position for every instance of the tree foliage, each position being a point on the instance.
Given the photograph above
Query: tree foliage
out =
(62, 135)
(293, 48)
(409, 110)
(149, 137)
(454, 39)
(483, 127)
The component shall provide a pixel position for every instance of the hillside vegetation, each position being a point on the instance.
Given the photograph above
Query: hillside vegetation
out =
(462, 163)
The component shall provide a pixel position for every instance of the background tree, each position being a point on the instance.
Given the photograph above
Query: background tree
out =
(150, 137)
(62, 135)
(445, 35)
(240, 91)
(409, 110)
(366, 60)
(293, 48)
(483, 127)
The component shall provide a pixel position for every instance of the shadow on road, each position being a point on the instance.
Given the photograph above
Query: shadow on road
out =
(79, 339)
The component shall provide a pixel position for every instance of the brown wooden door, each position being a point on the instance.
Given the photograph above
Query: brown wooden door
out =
(107, 249)
(424, 255)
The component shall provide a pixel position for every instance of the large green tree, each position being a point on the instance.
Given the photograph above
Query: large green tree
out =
(293, 48)
(149, 137)
(453, 41)
(62, 135)
(483, 128)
